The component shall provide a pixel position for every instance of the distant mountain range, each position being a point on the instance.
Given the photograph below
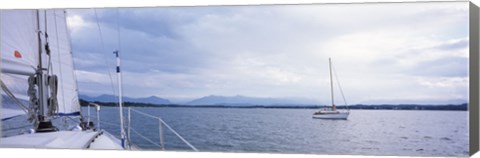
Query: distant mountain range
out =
(111, 98)
(239, 100)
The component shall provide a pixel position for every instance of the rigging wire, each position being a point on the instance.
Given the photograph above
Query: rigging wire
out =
(339, 86)
(12, 96)
(30, 112)
(103, 50)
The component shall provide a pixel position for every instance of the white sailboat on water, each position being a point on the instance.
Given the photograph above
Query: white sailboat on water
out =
(332, 113)
(37, 65)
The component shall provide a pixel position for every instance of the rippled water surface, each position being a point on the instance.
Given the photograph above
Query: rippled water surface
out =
(366, 132)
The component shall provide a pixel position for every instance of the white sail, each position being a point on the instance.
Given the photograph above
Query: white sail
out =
(19, 54)
(62, 62)
(20, 48)
(19, 41)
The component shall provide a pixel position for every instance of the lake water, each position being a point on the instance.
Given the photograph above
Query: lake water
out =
(366, 132)
(370, 132)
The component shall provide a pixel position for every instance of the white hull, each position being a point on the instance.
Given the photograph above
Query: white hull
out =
(340, 115)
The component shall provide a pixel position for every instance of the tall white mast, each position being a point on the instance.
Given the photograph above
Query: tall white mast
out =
(331, 84)
(120, 99)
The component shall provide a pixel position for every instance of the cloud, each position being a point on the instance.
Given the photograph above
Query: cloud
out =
(75, 23)
(92, 77)
(443, 82)
(378, 50)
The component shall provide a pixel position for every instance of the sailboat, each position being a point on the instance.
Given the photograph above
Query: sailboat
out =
(37, 73)
(332, 113)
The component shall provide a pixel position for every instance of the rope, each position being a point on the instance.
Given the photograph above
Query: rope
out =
(47, 47)
(52, 100)
(32, 94)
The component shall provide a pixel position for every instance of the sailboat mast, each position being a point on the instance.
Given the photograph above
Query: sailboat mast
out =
(44, 124)
(42, 87)
(331, 84)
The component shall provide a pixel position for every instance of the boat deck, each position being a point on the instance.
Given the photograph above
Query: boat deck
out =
(63, 140)
(106, 141)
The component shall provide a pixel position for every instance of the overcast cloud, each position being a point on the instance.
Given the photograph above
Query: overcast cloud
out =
(382, 53)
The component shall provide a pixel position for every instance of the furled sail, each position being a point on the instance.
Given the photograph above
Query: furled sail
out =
(62, 62)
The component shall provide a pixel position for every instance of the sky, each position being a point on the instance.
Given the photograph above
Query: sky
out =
(381, 52)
